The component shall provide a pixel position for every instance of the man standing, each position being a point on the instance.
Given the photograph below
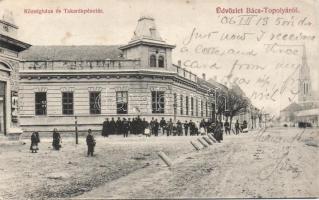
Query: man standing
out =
(125, 127)
(179, 128)
(155, 128)
(118, 126)
(139, 125)
(169, 127)
(90, 141)
(112, 126)
(163, 125)
(106, 128)
(192, 127)
(152, 123)
(227, 127)
(237, 127)
(130, 126)
(186, 125)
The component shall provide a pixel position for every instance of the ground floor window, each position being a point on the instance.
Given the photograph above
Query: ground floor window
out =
(67, 103)
(122, 102)
(40, 103)
(175, 104)
(95, 102)
(182, 108)
(192, 106)
(196, 107)
(158, 102)
(206, 109)
(201, 109)
(186, 105)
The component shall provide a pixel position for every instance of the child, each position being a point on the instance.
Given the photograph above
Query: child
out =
(147, 131)
(34, 142)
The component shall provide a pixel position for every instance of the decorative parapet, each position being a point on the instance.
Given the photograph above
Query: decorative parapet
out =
(65, 65)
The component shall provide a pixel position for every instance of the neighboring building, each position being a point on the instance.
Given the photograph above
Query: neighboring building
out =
(10, 47)
(251, 114)
(307, 108)
(58, 83)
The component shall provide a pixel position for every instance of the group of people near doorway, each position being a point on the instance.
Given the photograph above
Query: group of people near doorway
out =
(141, 126)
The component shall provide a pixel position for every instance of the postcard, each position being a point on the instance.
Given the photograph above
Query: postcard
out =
(119, 99)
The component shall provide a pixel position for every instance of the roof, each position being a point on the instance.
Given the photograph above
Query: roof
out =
(146, 29)
(72, 53)
(292, 108)
(146, 33)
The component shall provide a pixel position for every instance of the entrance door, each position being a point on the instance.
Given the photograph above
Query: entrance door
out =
(2, 108)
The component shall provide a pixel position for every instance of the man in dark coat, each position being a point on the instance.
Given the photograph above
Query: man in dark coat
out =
(192, 128)
(186, 125)
(139, 126)
(90, 141)
(56, 139)
(112, 126)
(169, 127)
(237, 128)
(118, 126)
(133, 126)
(227, 127)
(125, 127)
(155, 128)
(179, 127)
(129, 126)
(106, 128)
(163, 125)
(218, 133)
(152, 126)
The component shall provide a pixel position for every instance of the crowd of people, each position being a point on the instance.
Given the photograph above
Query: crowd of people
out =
(154, 127)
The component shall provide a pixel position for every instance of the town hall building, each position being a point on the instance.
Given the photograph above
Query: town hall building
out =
(91, 83)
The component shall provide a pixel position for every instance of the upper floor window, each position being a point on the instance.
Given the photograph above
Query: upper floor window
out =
(40, 103)
(152, 61)
(161, 61)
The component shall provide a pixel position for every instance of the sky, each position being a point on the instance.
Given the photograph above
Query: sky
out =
(176, 20)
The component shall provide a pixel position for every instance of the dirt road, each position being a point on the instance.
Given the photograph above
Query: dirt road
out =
(270, 163)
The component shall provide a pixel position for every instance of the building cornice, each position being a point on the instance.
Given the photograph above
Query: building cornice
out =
(15, 44)
(147, 43)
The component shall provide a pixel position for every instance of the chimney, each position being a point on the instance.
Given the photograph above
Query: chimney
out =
(179, 63)
(204, 76)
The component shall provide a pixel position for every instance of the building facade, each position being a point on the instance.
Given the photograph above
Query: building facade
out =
(91, 83)
(10, 47)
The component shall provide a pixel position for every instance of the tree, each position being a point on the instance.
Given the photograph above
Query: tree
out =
(236, 104)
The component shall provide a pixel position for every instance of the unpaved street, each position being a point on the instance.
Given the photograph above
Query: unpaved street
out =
(274, 163)
(277, 162)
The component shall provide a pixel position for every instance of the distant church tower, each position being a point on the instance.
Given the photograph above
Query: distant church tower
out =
(304, 86)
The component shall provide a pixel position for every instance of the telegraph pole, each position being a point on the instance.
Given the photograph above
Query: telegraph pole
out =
(76, 131)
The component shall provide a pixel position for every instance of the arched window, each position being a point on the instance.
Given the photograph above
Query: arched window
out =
(160, 61)
(152, 61)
